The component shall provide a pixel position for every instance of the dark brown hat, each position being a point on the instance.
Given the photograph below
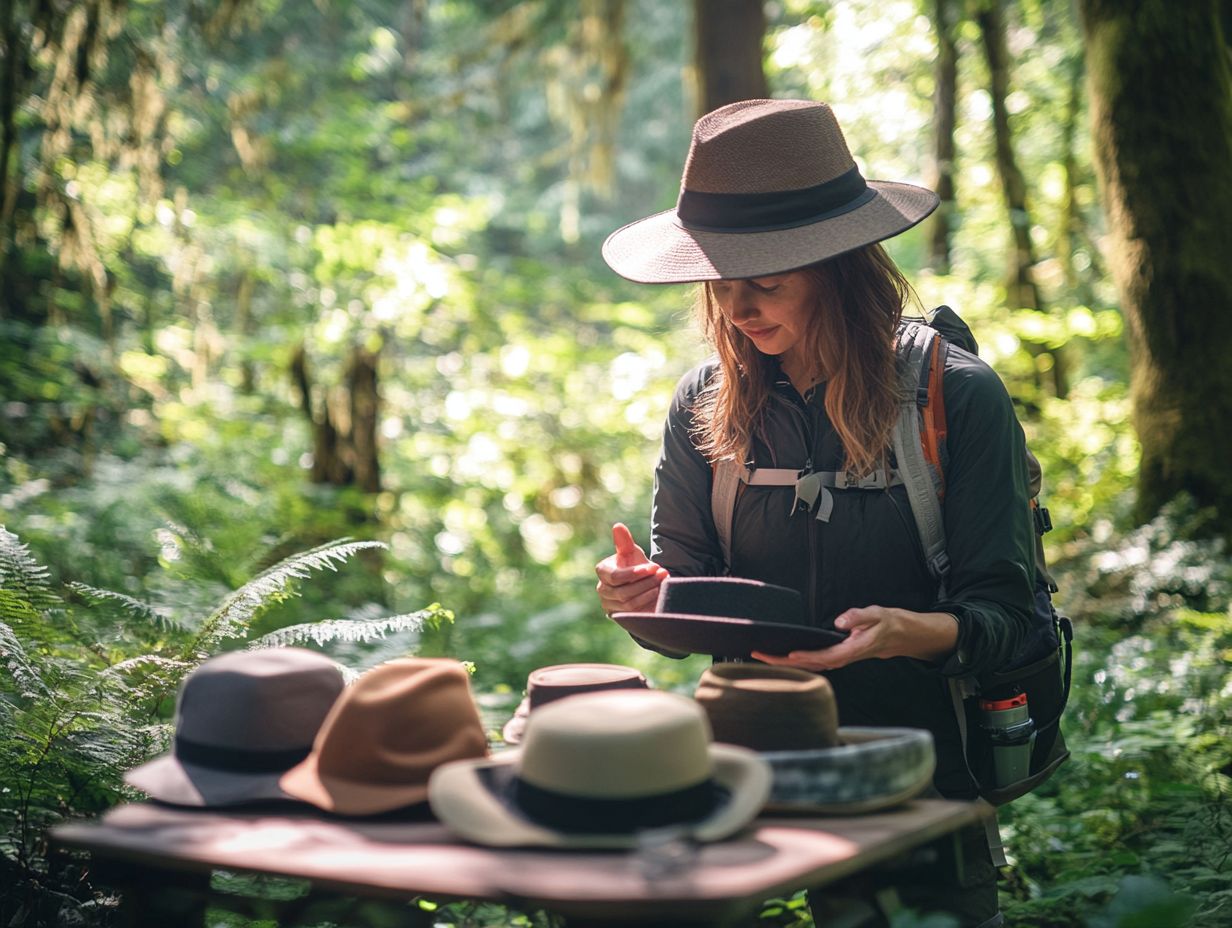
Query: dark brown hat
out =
(548, 684)
(727, 617)
(386, 734)
(769, 186)
(241, 720)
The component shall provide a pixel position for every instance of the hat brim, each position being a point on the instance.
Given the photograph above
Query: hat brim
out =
(305, 781)
(872, 769)
(515, 728)
(463, 799)
(659, 250)
(170, 780)
(720, 636)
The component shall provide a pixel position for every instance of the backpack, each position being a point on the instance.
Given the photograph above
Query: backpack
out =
(999, 712)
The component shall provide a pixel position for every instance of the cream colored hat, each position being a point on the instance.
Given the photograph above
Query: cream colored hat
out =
(598, 768)
(769, 186)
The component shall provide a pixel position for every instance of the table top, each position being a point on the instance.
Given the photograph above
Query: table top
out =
(774, 856)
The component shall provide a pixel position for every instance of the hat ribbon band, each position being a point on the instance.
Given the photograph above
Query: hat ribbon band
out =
(579, 815)
(770, 211)
(240, 760)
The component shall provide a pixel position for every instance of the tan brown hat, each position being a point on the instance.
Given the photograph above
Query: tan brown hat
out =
(768, 708)
(769, 186)
(386, 734)
(789, 716)
(598, 769)
(241, 720)
(548, 684)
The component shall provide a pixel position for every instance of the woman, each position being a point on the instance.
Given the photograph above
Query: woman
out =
(802, 307)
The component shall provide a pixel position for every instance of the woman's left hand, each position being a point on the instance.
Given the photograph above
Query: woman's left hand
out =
(878, 632)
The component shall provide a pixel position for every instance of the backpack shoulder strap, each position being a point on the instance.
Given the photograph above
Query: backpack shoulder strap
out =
(724, 488)
(917, 344)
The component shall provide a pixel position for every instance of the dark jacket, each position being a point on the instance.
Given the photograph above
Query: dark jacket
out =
(869, 552)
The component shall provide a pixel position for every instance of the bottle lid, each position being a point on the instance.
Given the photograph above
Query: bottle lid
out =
(1013, 702)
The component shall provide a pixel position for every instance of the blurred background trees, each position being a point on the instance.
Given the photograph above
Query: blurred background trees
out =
(279, 272)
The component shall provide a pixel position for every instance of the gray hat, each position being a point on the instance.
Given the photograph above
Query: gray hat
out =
(241, 720)
(769, 186)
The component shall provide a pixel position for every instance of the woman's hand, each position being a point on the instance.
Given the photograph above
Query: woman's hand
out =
(878, 632)
(628, 580)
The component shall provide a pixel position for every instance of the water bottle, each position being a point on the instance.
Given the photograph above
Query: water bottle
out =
(1011, 730)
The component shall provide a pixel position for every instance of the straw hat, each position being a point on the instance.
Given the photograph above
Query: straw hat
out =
(548, 684)
(598, 769)
(386, 734)
(769, 186)
(241, 720)
(727, 617)
(789, 716)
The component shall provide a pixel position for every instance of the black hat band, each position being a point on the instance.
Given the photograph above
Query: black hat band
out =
(772, 211)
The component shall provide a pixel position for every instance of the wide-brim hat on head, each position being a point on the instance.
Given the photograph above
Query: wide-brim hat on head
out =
(769, 186)
(788, 715)
(727, 617)
(548, 684)
(598, 769)
(241, 720)
(386, 734)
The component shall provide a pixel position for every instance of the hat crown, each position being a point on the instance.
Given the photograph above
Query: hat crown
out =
(399, 721)
(273, 699)
(731, 597)
(766, 146)
(769, 708)
(548, 684)
(617, 745)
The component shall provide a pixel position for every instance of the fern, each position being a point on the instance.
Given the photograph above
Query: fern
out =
(14, 659)
(232, 618)
(24, 580)
(154, 615)
(351, 629)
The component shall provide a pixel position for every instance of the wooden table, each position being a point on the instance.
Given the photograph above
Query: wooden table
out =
(715, 884)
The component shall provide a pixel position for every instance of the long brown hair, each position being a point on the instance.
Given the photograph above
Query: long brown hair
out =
(860, 300)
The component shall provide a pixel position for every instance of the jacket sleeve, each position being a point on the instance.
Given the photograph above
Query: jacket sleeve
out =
(682, 533)
(989, 531)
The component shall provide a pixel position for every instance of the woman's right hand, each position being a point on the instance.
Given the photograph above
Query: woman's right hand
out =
(628, 580)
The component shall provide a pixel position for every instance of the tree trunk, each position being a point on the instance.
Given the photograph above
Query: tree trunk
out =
(945, 108)
(365, 418)
(1022, 292)
(344, 421)
(1160, 88)
(728, 38)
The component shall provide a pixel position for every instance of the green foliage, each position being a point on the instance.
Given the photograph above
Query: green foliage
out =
(1135, 830)
(87, 681)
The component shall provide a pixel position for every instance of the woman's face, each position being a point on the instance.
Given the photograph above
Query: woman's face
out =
(773, 312)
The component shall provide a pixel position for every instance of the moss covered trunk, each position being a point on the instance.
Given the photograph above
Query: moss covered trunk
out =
(1161, 111)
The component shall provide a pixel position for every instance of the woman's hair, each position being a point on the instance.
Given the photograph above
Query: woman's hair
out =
(860, 300)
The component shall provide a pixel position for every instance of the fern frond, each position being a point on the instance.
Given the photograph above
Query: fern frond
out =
(231, 618)
(148, 660)
(349, 629)
(14, 659)
(22, 575)
(155, 615)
